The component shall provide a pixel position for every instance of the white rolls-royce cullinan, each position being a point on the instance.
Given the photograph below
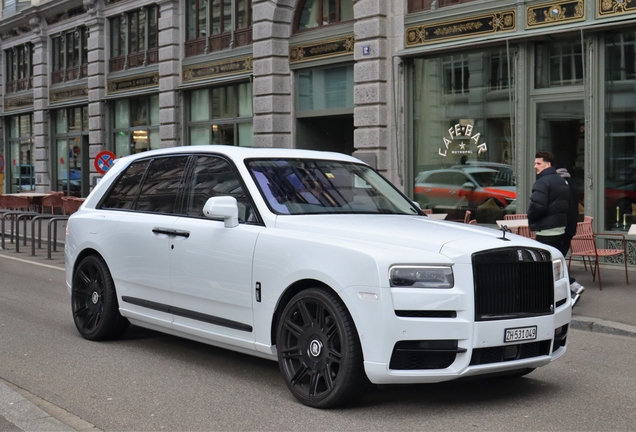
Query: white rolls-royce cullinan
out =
(312, 259)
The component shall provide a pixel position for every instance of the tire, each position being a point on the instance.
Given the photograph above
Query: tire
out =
(319, 352)
(94, 301)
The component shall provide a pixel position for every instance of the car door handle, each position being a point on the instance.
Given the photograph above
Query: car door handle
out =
(171, 232)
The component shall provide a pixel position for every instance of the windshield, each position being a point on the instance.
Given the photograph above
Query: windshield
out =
(308, 186)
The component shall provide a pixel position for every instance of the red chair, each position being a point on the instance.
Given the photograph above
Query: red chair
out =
(53, 202)
(584, 245)
(71, 204)
(524, 230)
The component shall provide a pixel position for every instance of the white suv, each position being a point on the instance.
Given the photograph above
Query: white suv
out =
(314, 260)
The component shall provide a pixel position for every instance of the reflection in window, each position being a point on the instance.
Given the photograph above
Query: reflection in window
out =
(161, 185)
(318, 13)
(558, 63)
(21, 150)
(456, 75)
(463, 154)
(620, 130)
(322, 89)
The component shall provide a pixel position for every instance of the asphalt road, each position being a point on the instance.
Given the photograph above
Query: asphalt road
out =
(149, 381)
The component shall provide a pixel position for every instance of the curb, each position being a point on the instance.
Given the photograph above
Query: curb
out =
(597, 325)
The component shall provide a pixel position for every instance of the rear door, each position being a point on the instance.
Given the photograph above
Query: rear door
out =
(142, 240)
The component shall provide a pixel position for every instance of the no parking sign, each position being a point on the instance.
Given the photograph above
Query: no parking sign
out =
(103, 161)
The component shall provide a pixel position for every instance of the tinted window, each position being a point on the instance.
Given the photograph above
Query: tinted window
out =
(212, 177)
(161, 186)
(123, 194)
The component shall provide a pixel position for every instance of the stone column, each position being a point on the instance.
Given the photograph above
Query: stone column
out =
(371, 137)
(272, 76)
(169, 72)
(96, 82)
(40, 107)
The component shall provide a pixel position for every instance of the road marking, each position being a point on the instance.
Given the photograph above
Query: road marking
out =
(33, 262)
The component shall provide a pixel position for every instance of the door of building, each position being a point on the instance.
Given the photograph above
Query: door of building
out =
(561, 131)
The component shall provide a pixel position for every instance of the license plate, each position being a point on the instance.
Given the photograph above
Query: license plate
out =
(520, 334)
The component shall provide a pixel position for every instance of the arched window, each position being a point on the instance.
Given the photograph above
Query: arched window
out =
(318, 13)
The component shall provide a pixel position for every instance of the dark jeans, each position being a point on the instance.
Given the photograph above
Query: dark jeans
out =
(561, 242)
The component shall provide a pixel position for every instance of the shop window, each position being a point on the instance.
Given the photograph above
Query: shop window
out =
(221, 115)
(134, 37)
(19, 68)
(209, 25)
(463, 149)
(69, 55)
(136, 125)
(70, 134)
(22, 155)
(620, 130)
(319, 13)
(558, 63)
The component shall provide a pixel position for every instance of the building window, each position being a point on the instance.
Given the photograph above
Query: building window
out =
(136, 125)
(620, 130)
(558, 63)
(70, 133)
(134, 38)
(319, 13)
(499, 71)
(211, 25)
(463, 149)
(221, 115)
(22, 153)
(422, 5)
(19, 68)
(325, 90)
(69, 55)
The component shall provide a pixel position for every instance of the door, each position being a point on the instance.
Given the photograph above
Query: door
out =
(561, 131)
(211, 268)
(142, 239)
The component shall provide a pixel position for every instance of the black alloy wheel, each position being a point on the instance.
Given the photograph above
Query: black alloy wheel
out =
(94, 301)
(319, 351)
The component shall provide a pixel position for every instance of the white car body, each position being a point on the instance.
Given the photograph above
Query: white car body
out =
(215, 270)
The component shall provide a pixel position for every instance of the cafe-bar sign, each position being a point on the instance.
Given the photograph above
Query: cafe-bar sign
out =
(461, 141)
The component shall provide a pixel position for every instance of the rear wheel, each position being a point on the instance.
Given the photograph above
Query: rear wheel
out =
(319, 352)
(94, 301)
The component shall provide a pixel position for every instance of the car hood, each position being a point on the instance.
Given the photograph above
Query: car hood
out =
(452, 239)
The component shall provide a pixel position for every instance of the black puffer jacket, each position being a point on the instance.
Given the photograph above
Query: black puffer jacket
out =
(549, 201)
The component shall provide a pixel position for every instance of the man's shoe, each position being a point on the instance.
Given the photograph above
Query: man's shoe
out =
(577, 288)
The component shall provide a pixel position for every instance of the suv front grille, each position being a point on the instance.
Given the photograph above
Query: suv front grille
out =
(514, 282)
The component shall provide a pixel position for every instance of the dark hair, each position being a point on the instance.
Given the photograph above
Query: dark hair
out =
(546, 156)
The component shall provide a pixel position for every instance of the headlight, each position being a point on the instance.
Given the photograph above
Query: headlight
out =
(421, 276)
(558, 268)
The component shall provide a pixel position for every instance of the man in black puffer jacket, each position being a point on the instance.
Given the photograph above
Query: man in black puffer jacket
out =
(549, 202)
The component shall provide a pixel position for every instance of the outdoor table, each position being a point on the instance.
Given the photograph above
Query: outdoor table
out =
(513, 223)
(438, 215)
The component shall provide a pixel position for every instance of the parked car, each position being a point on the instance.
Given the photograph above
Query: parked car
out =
(469, 185)
(314, 260)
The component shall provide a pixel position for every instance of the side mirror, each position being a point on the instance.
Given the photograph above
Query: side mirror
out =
(468, 185)
(224, 207)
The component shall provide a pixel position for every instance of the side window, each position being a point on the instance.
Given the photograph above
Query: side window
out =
(212, 177)
(123, 194)
(161, 186)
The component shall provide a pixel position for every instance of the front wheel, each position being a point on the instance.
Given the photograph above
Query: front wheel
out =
(319, 351)
(94, 301)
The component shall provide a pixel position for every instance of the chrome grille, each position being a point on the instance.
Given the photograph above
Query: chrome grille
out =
(513, 282)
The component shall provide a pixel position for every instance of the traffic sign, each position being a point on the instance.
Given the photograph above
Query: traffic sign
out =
(1, 163)
(103, 161)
